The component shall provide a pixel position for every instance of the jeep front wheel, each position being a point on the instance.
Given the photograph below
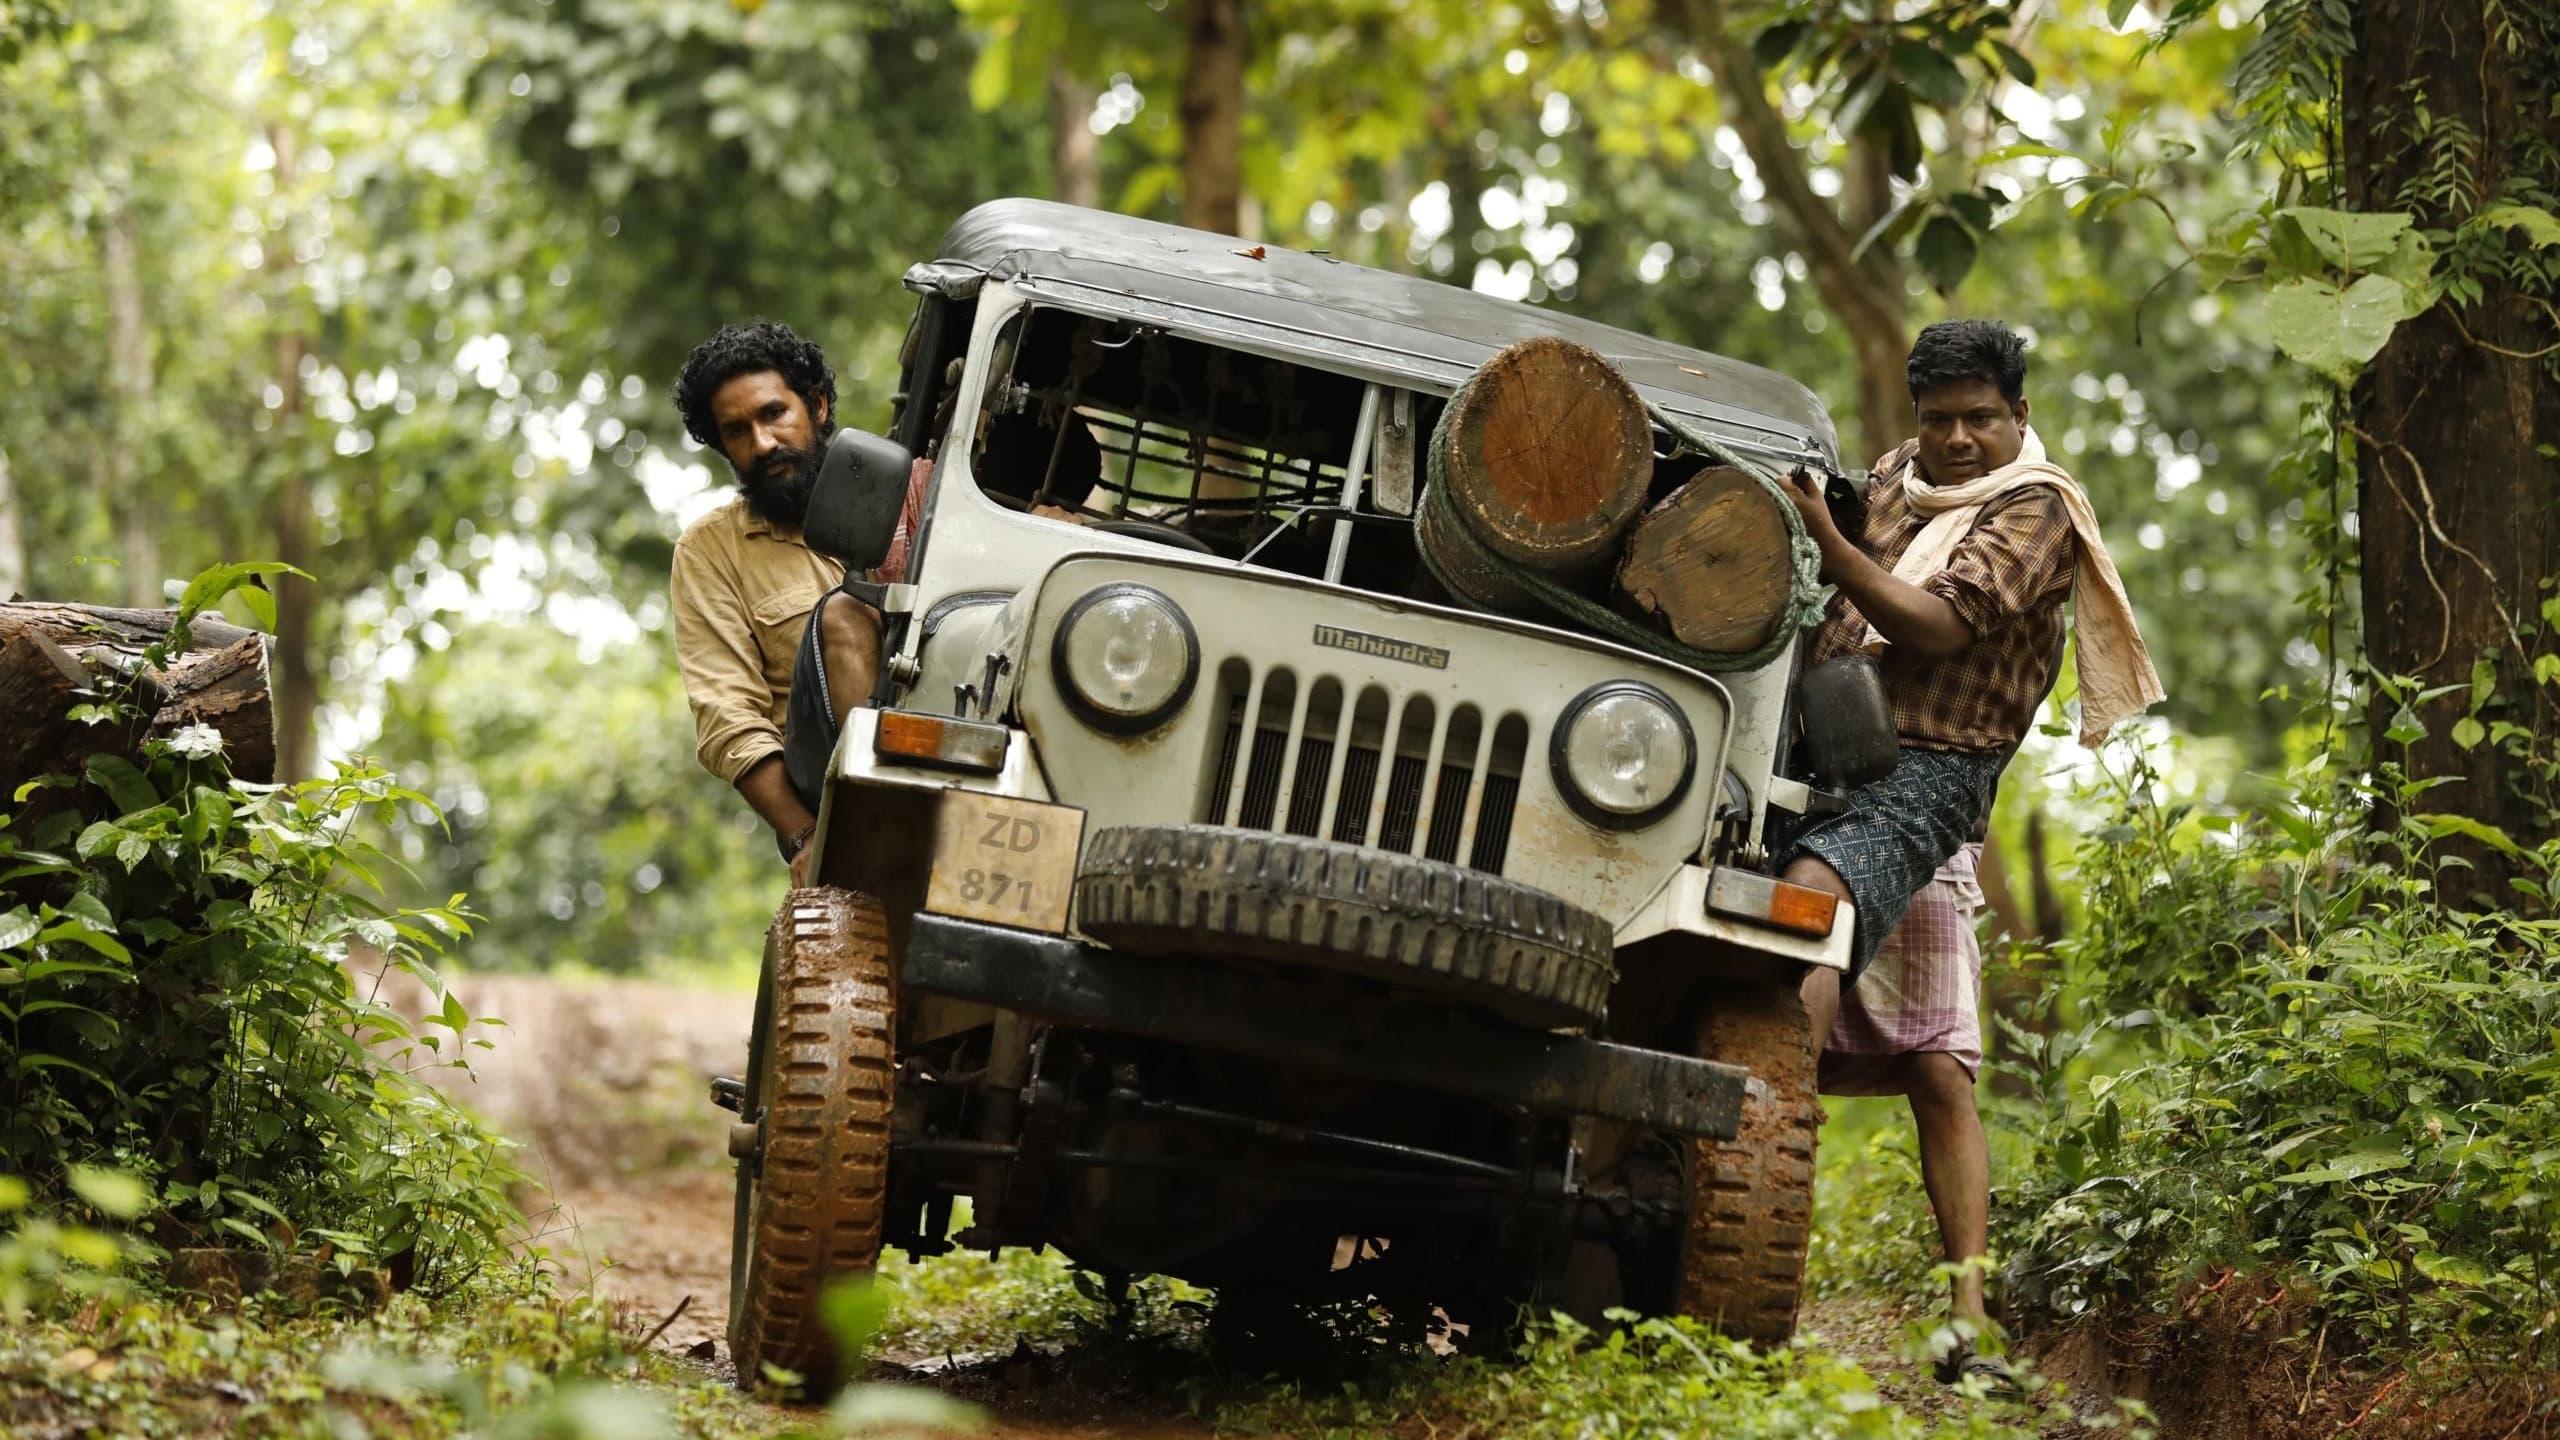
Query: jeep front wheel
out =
(1750, 1199)
(814, 1185)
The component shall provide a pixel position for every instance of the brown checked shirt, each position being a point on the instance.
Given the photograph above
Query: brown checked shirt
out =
(742, 592)
(2008, 578)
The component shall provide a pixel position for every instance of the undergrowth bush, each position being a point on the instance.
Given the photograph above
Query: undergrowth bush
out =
(2279, 1047)
(184, 1001)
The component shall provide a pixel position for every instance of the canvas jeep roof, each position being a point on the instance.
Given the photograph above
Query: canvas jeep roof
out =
(1294, 305)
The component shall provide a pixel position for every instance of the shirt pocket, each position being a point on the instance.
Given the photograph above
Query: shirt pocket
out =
(781, 617)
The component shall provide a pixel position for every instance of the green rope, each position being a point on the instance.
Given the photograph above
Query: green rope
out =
(1805, 593)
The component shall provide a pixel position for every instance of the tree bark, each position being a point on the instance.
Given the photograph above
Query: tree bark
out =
(1711, 566)
(1213, 116)
(54, 656)
(13, 543)
(1865, 294)
(1075, 174)
(297, 680)
(129, 382)
(2452, 424)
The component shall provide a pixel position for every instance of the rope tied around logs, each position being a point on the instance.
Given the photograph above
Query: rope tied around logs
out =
(1805, 590)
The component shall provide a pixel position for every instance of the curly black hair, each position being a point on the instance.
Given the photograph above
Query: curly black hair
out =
(1956, 350)
(743, 350)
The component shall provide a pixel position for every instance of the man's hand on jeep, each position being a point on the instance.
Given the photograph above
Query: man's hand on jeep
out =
(1805, 488)
(800, 868)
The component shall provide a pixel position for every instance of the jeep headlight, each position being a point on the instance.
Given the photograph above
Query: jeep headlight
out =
(1126, 658)
(1622, 754)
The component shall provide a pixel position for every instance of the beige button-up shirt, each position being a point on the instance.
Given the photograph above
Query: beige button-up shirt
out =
(742, 591)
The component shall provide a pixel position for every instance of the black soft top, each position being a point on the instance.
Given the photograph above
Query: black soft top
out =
(1397, 328)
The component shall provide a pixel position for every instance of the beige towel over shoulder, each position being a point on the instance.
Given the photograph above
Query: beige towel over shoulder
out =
(2116, 678)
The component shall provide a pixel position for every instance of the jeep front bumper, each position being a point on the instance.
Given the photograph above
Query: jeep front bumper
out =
(1429, 1047)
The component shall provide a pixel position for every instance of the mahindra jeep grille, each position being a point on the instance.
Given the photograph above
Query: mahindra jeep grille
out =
(1313, 766)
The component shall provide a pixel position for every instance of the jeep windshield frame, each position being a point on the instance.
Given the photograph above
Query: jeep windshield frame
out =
(1398, 330)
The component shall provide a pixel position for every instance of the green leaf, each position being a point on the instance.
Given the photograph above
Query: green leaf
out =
(261, 603)
(1945, 250)
(111, 1191)
(2468, 731)
(1772, 46)
(2348, 239)
(125, 785)
(2117, 12)
(2019, 67)
(2438, 826)
(82, 933)
(1931, 75)
(2539, 225)
(2451, 1269)
(14, 1194)
(2370, 1158)
(2336, 331)
(18, 926)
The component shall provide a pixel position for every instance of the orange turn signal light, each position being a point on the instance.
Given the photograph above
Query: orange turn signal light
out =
(1774, 903)
(940, 740)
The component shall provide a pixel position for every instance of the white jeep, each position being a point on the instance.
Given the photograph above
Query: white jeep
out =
(1203, 893)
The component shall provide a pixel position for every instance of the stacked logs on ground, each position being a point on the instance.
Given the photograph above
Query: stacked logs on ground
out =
(1546, 458)
(56, 657)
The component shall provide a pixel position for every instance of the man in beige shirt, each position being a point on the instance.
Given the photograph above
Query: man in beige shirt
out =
(746, 584)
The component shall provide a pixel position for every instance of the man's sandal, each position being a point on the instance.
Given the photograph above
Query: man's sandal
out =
(1996, 1377)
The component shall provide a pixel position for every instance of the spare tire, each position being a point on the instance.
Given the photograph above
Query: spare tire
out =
(1424, 924)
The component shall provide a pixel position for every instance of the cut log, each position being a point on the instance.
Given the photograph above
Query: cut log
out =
(55, 656)
(1545, 455)
(1710, 566)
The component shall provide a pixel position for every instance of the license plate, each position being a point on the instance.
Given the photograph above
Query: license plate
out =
(1005, 861)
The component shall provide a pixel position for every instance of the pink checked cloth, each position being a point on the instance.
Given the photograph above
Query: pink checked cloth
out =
(1922, 992)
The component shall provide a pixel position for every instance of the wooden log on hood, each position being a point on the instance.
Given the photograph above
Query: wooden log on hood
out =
(1545, 455)
(1711, 565)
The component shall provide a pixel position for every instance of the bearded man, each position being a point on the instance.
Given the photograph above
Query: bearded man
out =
(773, 653)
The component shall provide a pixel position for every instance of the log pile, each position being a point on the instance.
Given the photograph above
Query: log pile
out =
(1546, 458)
(54, 657)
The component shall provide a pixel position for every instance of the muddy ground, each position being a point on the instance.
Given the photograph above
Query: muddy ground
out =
(605, 1085)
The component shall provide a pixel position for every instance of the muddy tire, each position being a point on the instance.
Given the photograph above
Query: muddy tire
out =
(812, 1202)
(1751, 1197)
(1425, 924)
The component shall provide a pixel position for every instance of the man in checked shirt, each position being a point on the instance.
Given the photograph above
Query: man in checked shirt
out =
(1967, 650)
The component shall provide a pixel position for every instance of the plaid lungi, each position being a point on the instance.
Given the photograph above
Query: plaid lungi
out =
(1922, 992)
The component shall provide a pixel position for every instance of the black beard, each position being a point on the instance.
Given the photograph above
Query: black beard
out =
(778, 486)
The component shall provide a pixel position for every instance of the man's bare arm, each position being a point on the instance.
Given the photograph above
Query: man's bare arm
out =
(1903, 613)
(767, 786)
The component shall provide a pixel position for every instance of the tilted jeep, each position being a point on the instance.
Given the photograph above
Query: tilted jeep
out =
(1202, 893)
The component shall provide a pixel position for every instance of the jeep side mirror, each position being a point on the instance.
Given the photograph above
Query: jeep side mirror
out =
(853, 510)
(1849, 737)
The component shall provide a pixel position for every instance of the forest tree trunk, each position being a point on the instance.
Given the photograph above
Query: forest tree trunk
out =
(13, 534)
(129, 382)
(1075, 174)
(296, 680)
(1213, 116)
(1863, 293)
(2453, 424)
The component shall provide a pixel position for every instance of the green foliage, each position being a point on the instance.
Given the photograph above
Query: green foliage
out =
(2284, 1050)
(181, 998)
(659, 868)
(1651, 1378)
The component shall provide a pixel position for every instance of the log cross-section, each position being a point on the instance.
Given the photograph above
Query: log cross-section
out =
(1549, 453)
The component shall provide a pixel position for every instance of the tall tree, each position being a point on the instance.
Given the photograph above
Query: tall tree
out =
(1213, 102)
(1876, 73)
(1075, 165)
(2445, 116)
